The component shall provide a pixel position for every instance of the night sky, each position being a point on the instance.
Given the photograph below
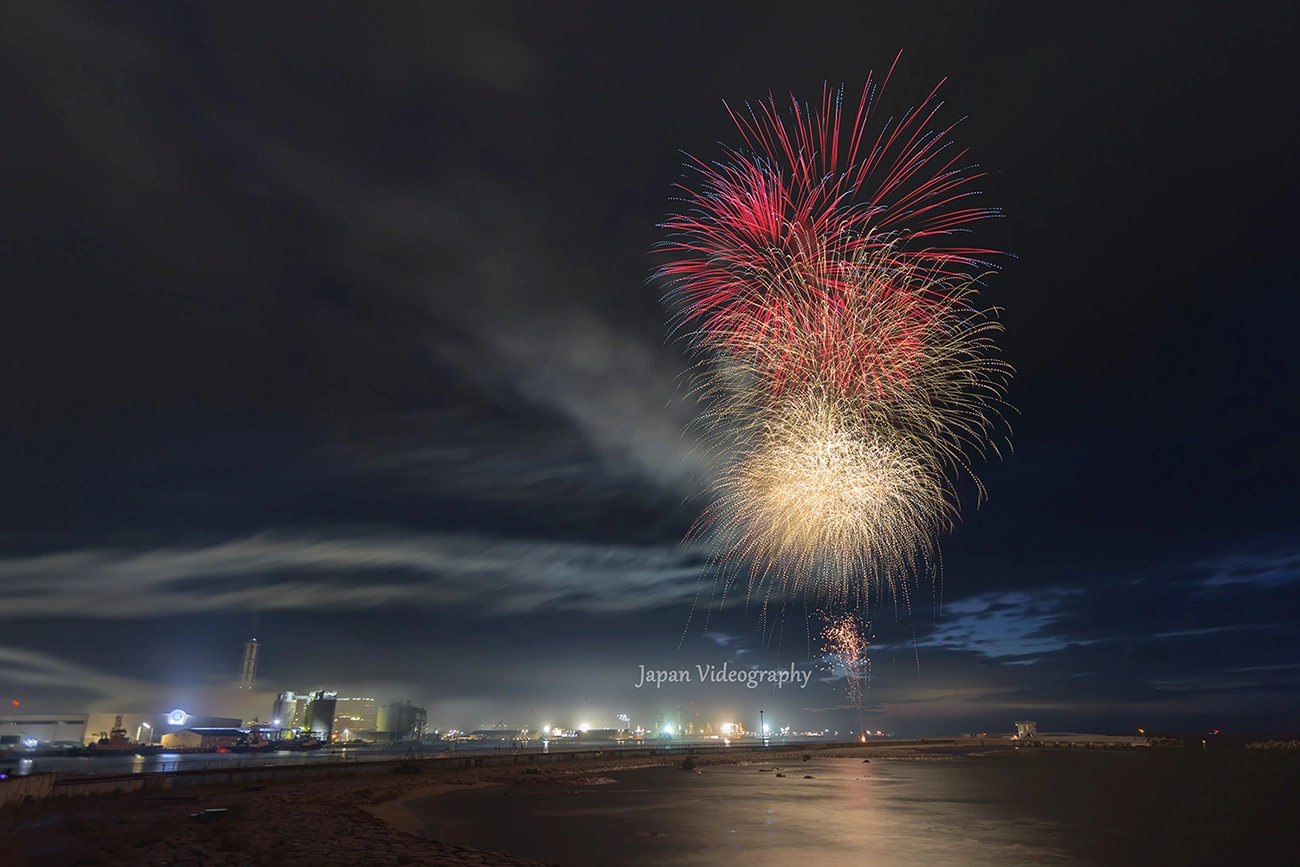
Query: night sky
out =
(332, 327)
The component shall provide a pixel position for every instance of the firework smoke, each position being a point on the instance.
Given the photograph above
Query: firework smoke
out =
(844, 362)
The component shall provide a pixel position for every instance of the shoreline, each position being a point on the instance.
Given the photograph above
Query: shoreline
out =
(344, 821)
(1103, 806)
(401, 817)
(396, 815)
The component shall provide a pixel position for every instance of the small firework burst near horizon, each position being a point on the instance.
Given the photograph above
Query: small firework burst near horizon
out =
(845, 366)
(847, 639)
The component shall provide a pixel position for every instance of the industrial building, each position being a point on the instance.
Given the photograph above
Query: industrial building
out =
(354, 718)
(400, 721)
(206, 738)
(290, 711)
(149, 727)
(182, 740)
(331, 717)
(321, 714)
(42, 729)
(496, 735)
(314, 712)
(600, 735)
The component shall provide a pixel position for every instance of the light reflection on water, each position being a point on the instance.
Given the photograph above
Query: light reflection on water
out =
(1102, 809)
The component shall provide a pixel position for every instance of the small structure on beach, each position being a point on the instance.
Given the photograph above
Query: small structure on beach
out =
(1027, 731)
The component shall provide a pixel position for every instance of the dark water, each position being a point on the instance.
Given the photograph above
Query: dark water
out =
(133, 764)
(166, 762)
(1034, 807)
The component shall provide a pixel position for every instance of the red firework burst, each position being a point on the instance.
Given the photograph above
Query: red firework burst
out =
(818, 253)
(847, 369)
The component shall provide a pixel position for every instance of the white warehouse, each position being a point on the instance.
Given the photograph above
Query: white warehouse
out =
(22, 729)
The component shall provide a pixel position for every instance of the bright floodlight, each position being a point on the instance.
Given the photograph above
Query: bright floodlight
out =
(177, 717)
(582, 727)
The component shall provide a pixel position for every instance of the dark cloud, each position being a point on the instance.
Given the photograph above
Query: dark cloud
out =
(337, 320)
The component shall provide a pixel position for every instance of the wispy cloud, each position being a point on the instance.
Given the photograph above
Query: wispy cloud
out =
(485, 575)
(24, 669)
(501, 303)
(1269, 569)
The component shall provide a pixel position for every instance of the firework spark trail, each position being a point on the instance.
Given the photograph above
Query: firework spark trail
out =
(847, 639)
(903, 347)
(813, 496)
(845, 364)
(777, 224)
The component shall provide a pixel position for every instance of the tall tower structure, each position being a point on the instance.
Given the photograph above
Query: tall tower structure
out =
(248, 670)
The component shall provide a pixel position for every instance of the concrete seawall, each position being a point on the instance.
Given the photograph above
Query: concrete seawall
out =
(104, 784)
(16, 790)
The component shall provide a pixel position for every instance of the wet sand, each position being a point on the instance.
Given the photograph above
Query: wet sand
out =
(358, 821)
(1006, 808)
(966, 800)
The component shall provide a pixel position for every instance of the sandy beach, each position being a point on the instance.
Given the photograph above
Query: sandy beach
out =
(360, 821)
(394, 818)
